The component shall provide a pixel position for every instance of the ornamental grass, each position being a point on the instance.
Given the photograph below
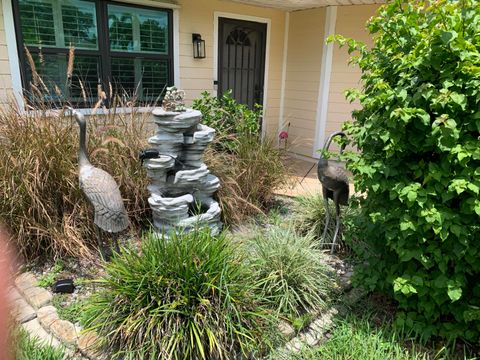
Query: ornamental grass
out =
(188, 297)
(40, 199)
(293, 276)
(249, 176)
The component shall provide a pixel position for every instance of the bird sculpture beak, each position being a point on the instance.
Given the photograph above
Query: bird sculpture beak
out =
(78, 115)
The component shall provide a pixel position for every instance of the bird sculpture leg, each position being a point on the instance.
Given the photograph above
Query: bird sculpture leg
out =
(115, 242)
(337, 227)
(327, 214)
(99, 242)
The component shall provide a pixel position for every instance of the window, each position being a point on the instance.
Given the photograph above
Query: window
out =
(121, 47)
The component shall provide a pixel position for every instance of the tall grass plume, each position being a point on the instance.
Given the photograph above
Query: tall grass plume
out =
(40, 199)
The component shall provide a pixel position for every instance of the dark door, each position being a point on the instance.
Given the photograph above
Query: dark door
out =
(241, 59)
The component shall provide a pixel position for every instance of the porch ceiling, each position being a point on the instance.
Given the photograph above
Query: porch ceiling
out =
(292, 5)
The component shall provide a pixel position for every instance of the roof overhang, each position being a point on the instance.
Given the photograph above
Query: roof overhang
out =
(292, 5)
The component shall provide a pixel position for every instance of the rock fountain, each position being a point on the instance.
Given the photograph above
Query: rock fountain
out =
(181, 185)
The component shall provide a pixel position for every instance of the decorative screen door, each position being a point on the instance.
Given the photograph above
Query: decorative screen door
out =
(241, 59)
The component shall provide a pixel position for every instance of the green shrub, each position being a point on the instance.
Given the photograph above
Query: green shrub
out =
(188, 297)
(292, 273)
(248, 176)
(419, 161)
(249, 168)
(229, 118)
(40, 200)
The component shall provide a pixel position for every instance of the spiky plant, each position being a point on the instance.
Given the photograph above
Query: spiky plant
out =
(293, 275)
(188, 297)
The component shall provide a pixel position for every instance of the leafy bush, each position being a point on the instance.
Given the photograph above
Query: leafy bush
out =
(249, 168)
(229, 118)
(292, 272)
(40, 200)
(188, 297)
(419, 163)
(248, 176)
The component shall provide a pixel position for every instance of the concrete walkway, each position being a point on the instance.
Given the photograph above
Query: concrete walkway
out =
(304, 180)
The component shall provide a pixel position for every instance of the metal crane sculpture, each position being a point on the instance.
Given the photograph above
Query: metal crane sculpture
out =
(100, 189)
(334, 179)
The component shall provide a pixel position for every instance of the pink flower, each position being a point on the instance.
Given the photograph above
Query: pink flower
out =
(283, 135)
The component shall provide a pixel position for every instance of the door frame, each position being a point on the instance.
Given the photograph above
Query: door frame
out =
(216, 16)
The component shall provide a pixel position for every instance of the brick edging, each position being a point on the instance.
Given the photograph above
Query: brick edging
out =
(31, 308)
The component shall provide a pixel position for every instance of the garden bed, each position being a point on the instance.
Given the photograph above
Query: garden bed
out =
(296, 318)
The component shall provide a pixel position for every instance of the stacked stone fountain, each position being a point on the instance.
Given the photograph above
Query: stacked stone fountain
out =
(181, 186)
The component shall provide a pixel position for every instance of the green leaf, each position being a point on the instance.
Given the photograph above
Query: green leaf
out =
(454, 291)
(474, 188)
(459, 99)
(459, 185)
(457, 230)
(477, 207)
(412, 196)
(404, 286)
(407, 224)
(448, 36)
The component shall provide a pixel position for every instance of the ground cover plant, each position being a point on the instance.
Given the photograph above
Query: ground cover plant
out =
(365, 330)
(67, 308)
(418, 163)
(27, 348)
(47, 279)
(356, 338)
(292, 273)
(188, 297)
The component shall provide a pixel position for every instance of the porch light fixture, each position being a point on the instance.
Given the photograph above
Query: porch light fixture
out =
(198, 46)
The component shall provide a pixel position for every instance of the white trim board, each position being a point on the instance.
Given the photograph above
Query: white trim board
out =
(325, 75)
(176, 48)
(11, 40)
(281, 120)
(218, 14)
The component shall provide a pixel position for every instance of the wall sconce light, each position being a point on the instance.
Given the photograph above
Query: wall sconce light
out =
(198, 46)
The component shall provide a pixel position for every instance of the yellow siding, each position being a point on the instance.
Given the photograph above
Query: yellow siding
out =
(351, 22)
(196, 75)
(304, 58)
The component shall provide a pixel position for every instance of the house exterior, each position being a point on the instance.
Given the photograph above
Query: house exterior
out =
(271, 52)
